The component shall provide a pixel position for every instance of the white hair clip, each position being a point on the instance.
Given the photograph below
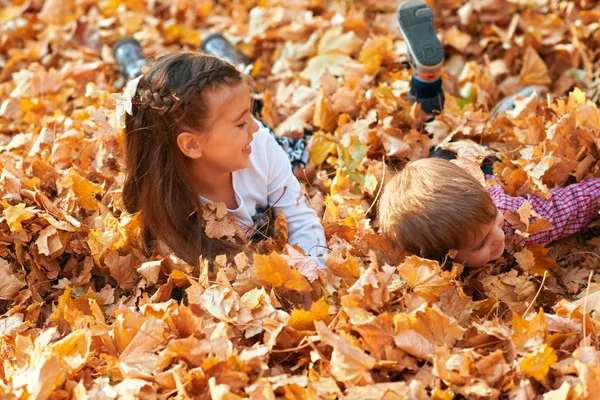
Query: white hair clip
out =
(124, 102)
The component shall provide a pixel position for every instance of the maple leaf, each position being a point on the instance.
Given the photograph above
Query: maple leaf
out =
(322, 147)
(304, 320)
(219, 224)
(419, 332)
(456, 38)
(520, 219)
(14, 215)
(425, 277)
(275, 270)
(534, 259)
(375, 51)
(324, 118)
(538, 363)
(529, 333)
(10, 283)
(534, 70)
(348, 363)
(122, 268)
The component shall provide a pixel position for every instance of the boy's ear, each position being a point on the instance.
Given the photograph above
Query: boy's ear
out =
(189, 144)
(452, 253)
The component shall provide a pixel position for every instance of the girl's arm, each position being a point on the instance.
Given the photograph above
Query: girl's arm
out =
(568, 209)
(285, 194)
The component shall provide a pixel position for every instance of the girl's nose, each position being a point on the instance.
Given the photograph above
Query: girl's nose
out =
(253, 127)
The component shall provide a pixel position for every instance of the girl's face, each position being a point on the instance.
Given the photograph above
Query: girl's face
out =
(487, 245)
(225, 142)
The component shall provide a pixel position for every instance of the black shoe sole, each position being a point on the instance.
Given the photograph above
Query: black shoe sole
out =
(425, 52)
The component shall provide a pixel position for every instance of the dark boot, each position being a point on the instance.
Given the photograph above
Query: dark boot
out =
(129, 57)
(218, 46)
(425, 55)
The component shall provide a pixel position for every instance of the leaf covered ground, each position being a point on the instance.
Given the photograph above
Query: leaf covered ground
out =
(86, 316)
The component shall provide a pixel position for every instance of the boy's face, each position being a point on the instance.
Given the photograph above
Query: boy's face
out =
(486, 245)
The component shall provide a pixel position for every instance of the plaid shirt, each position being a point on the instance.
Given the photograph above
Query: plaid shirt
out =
(568, 209)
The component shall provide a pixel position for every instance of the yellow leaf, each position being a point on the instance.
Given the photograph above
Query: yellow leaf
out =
(537, 364)
(375, 51)
(304, 320)
(14, 215)
(275, 270)
(83, 189)
(322, 148)
(439, 394)
(529, 331)
(173, 32)
(577, 96)
(324, 117)
(73, 350)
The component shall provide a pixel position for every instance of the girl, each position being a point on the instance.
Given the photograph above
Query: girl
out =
(190, 139)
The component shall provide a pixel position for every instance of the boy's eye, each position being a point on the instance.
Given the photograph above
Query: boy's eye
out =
(481, 246)
(242, 124)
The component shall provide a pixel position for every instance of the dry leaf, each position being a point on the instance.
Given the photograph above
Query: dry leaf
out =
(275, 270)
(348, 363)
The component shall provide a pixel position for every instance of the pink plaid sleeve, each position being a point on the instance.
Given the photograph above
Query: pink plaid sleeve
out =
(568, 209)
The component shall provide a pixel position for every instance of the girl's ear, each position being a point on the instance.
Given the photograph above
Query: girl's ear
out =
(189, 144)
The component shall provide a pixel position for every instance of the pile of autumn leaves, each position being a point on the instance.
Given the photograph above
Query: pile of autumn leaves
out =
(86, 315)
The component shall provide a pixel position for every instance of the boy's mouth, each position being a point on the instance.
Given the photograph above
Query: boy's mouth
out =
(247, 148)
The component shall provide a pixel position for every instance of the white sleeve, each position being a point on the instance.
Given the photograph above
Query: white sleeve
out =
(285, 194)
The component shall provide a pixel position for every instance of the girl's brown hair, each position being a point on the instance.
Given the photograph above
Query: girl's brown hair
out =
(170, 99)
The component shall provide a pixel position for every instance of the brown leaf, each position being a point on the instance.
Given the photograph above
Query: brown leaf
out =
(425, 277)
(10, 283)
(348, 363)
(534, 70)
(219, 224)
(122, 268)
(419, 332)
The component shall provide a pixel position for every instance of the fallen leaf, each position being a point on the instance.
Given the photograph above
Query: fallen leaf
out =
(538, 363)
(14, 215)
(275, 270)
(10, 284)
(534, 70)
(348, 363)
(304, 320)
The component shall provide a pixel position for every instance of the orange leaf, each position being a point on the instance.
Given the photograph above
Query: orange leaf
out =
(304, 320)
(275, 270)
(534, 259)
(375, 51)
(425, 277)
(83, 189)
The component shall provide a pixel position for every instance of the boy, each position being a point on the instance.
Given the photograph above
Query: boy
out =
(434, 209)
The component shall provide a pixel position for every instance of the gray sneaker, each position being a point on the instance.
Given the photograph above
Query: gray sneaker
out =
(425, 52)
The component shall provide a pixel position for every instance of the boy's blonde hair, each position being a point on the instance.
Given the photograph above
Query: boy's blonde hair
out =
(433, 206)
